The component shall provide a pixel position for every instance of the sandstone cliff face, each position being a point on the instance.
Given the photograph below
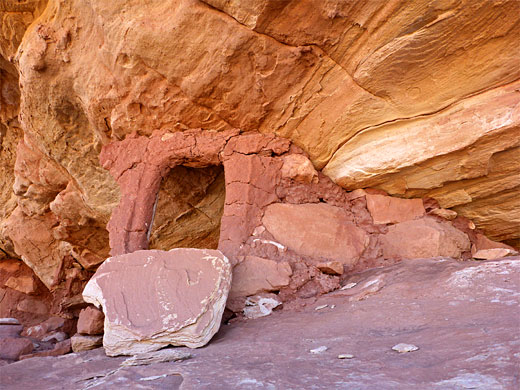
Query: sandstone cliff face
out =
(418, 98)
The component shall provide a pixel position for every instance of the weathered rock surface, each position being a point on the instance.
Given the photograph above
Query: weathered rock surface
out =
(331, 267)
(419, 99)
(152, 299)
(443, 307)
(326, 81)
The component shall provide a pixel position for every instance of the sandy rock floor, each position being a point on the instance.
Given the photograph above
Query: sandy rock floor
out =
(463, 316)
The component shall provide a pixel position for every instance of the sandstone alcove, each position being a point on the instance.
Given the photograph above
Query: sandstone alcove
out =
(189, 209)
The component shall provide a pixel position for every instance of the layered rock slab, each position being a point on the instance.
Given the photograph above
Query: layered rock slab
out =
(153, 298)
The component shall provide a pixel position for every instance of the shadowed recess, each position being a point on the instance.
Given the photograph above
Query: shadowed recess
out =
(189, 209)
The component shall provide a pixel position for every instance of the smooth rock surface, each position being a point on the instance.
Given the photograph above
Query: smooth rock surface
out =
(316, 230)
(442, 306)
(153, 298)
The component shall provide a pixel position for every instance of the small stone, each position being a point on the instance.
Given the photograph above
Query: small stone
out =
(493, 254)
(331, 268)
(81, 342)
(161, 356)
(444, 213)
(403, 348)
(319, 350)
(258, 230)
(346, 356)
(91, 321)
(349, 285)
(9, 321)
(55, 336)
(320, 307)
(13, 348)
(299, 168)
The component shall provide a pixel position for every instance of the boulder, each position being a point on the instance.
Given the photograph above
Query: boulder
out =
(482, 242)
(423, 238)
(154, 298)
(12, 348)
(386, 209)
(316, 230)
(254, 275)
(91, 321)
(10, 330)
(80, 342)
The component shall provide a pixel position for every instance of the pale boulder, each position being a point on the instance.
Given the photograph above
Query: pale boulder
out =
(154, 298)
(423, 238)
